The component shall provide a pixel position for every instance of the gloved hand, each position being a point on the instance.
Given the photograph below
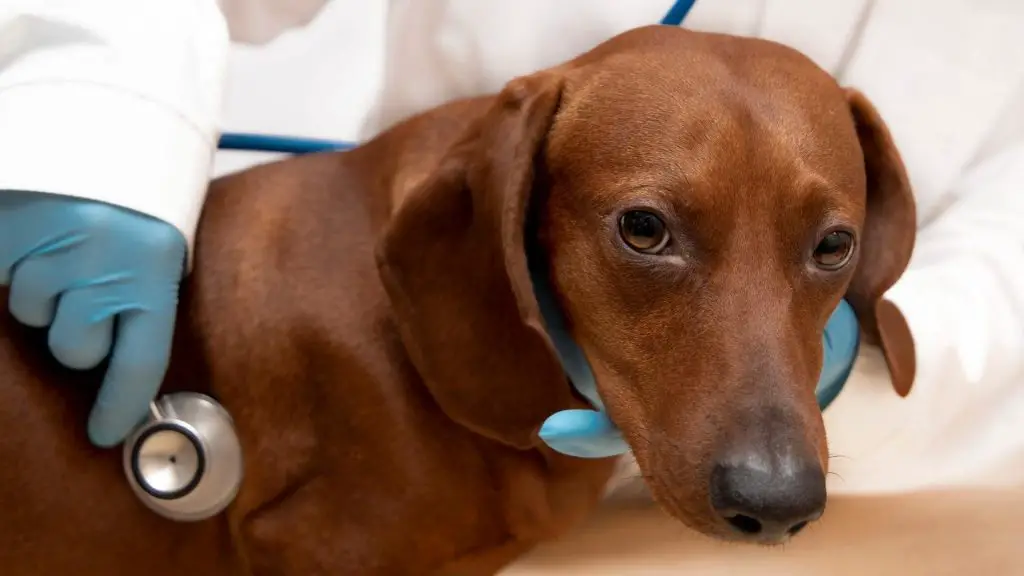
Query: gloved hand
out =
(93, 272)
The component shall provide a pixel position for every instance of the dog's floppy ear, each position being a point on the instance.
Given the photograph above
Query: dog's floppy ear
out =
(886, 243)
(453, 262)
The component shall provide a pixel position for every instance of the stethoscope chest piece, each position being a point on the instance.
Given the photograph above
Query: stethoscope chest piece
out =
(185, 461)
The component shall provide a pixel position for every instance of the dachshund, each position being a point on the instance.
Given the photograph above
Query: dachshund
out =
(699, 205)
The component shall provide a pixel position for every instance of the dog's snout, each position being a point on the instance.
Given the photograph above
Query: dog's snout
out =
(768, 499)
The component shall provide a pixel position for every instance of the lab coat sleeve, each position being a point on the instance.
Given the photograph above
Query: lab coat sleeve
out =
(119, 100)
(963, 292)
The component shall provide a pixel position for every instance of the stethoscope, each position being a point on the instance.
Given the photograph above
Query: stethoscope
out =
(184, 461)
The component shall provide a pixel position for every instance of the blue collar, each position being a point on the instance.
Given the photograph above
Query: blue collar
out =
(591, 434)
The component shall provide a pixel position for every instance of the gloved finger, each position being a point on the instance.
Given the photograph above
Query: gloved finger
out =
(137, 366)
(16, 239)
(583, 434)
(35, 285)
(31, 226)
(82, 330)
(8, 257)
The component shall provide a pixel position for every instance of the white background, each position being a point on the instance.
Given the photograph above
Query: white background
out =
(319, 81)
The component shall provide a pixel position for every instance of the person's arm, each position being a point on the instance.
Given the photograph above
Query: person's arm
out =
(119, 100)
(963, 293)
(108, 125)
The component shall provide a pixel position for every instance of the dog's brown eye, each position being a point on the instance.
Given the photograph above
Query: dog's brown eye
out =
(834, 250)
(643, 231)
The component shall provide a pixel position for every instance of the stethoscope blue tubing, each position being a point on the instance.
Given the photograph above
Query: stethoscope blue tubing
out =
(251, 142)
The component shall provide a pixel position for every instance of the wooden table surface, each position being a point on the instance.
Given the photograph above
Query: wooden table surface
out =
(979, 533)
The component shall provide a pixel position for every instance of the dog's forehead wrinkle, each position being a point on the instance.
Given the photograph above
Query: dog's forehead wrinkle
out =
(712, 146)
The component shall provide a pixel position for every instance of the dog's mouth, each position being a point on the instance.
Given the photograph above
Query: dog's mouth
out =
(730, 527)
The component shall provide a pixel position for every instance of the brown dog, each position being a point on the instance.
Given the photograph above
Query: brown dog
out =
(701, 203)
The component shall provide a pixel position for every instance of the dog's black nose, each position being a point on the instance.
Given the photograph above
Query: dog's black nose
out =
(768, 499)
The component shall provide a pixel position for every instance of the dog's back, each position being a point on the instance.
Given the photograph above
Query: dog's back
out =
(340, 438)
(284, 320)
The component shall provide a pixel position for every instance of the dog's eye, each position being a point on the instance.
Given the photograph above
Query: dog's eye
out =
(643, 231)
(834, 250)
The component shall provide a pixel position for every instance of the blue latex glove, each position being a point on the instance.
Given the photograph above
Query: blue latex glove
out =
(92, 272)
(583, 434)
(591, 434)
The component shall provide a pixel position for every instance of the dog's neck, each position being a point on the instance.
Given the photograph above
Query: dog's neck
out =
(581, 433)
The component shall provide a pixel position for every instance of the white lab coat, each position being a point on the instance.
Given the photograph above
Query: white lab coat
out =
(68, 67)
(947, 75)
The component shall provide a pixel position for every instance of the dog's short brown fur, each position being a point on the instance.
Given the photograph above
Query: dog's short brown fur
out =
(369, 321)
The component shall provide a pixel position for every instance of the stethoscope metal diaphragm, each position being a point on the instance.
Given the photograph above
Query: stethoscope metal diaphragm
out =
(185, 461)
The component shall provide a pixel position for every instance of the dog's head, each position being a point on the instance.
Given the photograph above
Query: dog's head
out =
(702, 203)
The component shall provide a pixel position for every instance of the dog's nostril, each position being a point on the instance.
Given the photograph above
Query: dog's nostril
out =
(767, 503)
(796, 528)
(745, 524)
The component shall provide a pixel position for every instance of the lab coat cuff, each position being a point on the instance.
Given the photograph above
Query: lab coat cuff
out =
(106, 144)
